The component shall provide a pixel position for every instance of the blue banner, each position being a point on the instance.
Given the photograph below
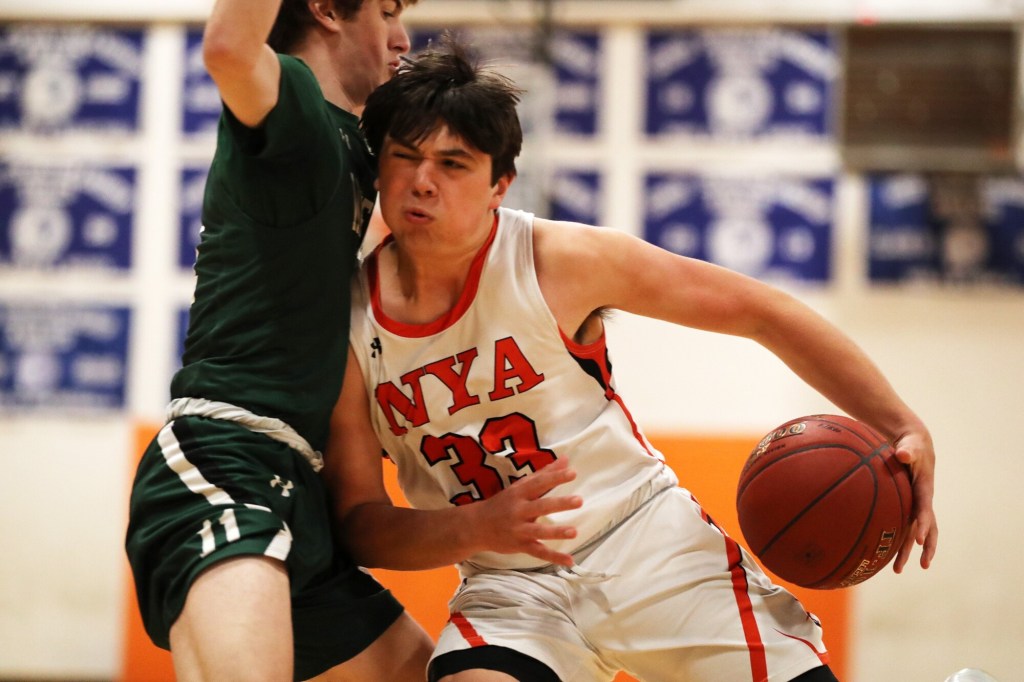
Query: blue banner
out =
(60, 78)
(741, 83)
(63, 356)
(575, 196)
(193, 186)
(770, 228)
(201, 99)
(182, 328)
(902, 245)
(909, 241)
(1003, 204)
(562, 78)
(66, 216)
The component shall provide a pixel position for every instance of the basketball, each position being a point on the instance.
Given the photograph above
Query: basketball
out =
(823, 502)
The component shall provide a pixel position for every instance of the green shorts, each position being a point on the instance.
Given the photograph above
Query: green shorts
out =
(208, 490)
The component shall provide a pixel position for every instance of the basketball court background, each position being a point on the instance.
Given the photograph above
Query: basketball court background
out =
(717, 131)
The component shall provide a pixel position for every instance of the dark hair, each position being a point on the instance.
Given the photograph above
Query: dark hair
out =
(444, 86)
(294, 20)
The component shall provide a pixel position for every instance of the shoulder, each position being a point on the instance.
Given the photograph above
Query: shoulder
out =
(294, 69)
(299, 84)
(565, 244)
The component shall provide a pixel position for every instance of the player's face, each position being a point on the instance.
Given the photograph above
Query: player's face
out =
(439, 186)
(372, 42)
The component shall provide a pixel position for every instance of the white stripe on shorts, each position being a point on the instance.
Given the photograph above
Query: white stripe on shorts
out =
(187, 471)
(278, 548)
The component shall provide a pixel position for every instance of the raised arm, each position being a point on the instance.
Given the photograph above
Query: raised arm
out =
(238, 59)
(379, 534)
(583, 269)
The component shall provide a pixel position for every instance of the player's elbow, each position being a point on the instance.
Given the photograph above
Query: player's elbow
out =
(227, 54)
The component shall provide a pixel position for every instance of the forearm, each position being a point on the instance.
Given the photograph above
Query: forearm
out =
(380, 535)
(832, 363)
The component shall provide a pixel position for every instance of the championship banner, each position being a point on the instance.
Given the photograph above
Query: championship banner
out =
(69, 78)
(723, 84)
(771, 228)
(67, 216)
(182, 329)
(919, 232)
(193, 186)
(1003, 205)
(560, 72)
(576, 197)
(66, 357)
(200, 98)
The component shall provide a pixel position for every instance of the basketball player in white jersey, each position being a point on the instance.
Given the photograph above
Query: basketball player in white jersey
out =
(478, 366)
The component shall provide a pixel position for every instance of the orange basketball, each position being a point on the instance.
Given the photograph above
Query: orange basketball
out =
(823, 502)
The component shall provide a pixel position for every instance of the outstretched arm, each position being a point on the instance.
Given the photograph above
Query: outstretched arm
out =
(379, 534)
(583, 269)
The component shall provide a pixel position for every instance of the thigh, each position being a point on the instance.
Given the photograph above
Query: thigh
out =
(489, 664)
(527, 613)
(686, 602)
(237, 610)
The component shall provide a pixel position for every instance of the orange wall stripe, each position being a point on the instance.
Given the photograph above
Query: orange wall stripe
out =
(141, 661)
(708, 466)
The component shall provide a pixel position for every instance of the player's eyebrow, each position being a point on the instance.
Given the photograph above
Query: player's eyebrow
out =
(454, 152)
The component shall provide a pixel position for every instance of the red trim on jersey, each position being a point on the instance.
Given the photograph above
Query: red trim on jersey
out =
(822, 655)
(632, 424)
(598, 352)
(419, 331)
(740, 589)
(467, 630)
(758, 660)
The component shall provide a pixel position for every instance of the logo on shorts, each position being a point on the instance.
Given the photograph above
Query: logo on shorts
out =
(286, 486)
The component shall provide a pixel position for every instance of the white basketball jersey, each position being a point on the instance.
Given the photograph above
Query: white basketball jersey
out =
(493, 391)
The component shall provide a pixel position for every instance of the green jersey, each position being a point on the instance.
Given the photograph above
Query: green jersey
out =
(284, 212)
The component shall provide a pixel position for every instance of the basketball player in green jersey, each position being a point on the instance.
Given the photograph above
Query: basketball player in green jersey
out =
(229, 536)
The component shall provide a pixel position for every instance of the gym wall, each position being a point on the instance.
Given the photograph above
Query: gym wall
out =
(710, 131)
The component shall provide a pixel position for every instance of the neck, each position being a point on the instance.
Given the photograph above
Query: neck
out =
(318, 59)
(422, 281)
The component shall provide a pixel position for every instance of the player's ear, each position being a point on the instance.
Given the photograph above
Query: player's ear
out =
(501, 189)
(323, 11)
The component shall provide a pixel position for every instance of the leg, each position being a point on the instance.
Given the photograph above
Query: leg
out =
(398, 655)
(479, 676)
(236, 624)
(489, 664)
(820, 674)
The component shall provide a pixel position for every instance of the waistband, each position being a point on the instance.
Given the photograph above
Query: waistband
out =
(269, 426)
